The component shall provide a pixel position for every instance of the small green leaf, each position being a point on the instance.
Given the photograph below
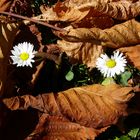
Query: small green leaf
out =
(108, 81)
(138, 134)
(134, 132)
(125, 137)
(125, 77)
(116, 138)
(69, 76)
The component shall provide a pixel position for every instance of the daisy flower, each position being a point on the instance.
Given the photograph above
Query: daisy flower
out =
(110, 67)
(23, 54)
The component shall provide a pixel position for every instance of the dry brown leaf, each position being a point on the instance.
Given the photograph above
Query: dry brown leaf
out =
(133, 53)
(77, 3)
(124, 34)
(90, 21)
(61, 12)
(121, 10)
(7, 34)
(69, 15)
(93, 106)
(5, 5)
(74, 16)
(85, 53)
(96, 13)
(53, 127)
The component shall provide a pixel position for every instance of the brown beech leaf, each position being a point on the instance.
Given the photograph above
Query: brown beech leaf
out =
(7, 34)
(133, 53)
(93, 106)
(69, 15)
(61, 12)
(124, 34)
(90, 21)
(85, 53)
(65, 12)
(5, 5)
(53, 127)
(77, 3)
(122, 10)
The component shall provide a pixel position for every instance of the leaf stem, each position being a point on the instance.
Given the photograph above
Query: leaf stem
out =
(32, 20)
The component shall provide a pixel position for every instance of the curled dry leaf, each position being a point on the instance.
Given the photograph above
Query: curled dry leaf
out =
(63, 12)
(121, 10)
(94, 106)
(69, 15)
(7, 34)
(94, 18)
(53, 127)
(133, 53)
(77, 3)
(89, 13)
(85, 53)
(124, 34)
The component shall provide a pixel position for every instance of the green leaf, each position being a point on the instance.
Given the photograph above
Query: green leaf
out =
(125, 137)
(108, 81)
(138, 134)
(69, 76)
(116, 138)
(134, 132)
(125, 77)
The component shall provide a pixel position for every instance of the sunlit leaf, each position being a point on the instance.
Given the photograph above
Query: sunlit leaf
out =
(69, 76)
(124, 34)
(124, 77)
(134, 132)
(124, 138)
(108, 81)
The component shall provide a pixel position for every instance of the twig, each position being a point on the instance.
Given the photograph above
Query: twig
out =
(32, 20)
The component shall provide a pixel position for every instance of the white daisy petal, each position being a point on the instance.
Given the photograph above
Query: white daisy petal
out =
(110, 67)
(23, 54)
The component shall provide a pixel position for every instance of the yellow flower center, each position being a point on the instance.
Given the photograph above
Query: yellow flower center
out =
(24, 56)
(111, 63)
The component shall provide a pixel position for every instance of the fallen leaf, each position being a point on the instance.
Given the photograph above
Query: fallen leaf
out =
(70, 15)
(90, 21)
(124, 34)
(53, 127)
(121, 10)
(85, 53)
(98, 13)
(94, 106)
(64, 12)
(5, 5)
(133, 54)
(77, 3)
